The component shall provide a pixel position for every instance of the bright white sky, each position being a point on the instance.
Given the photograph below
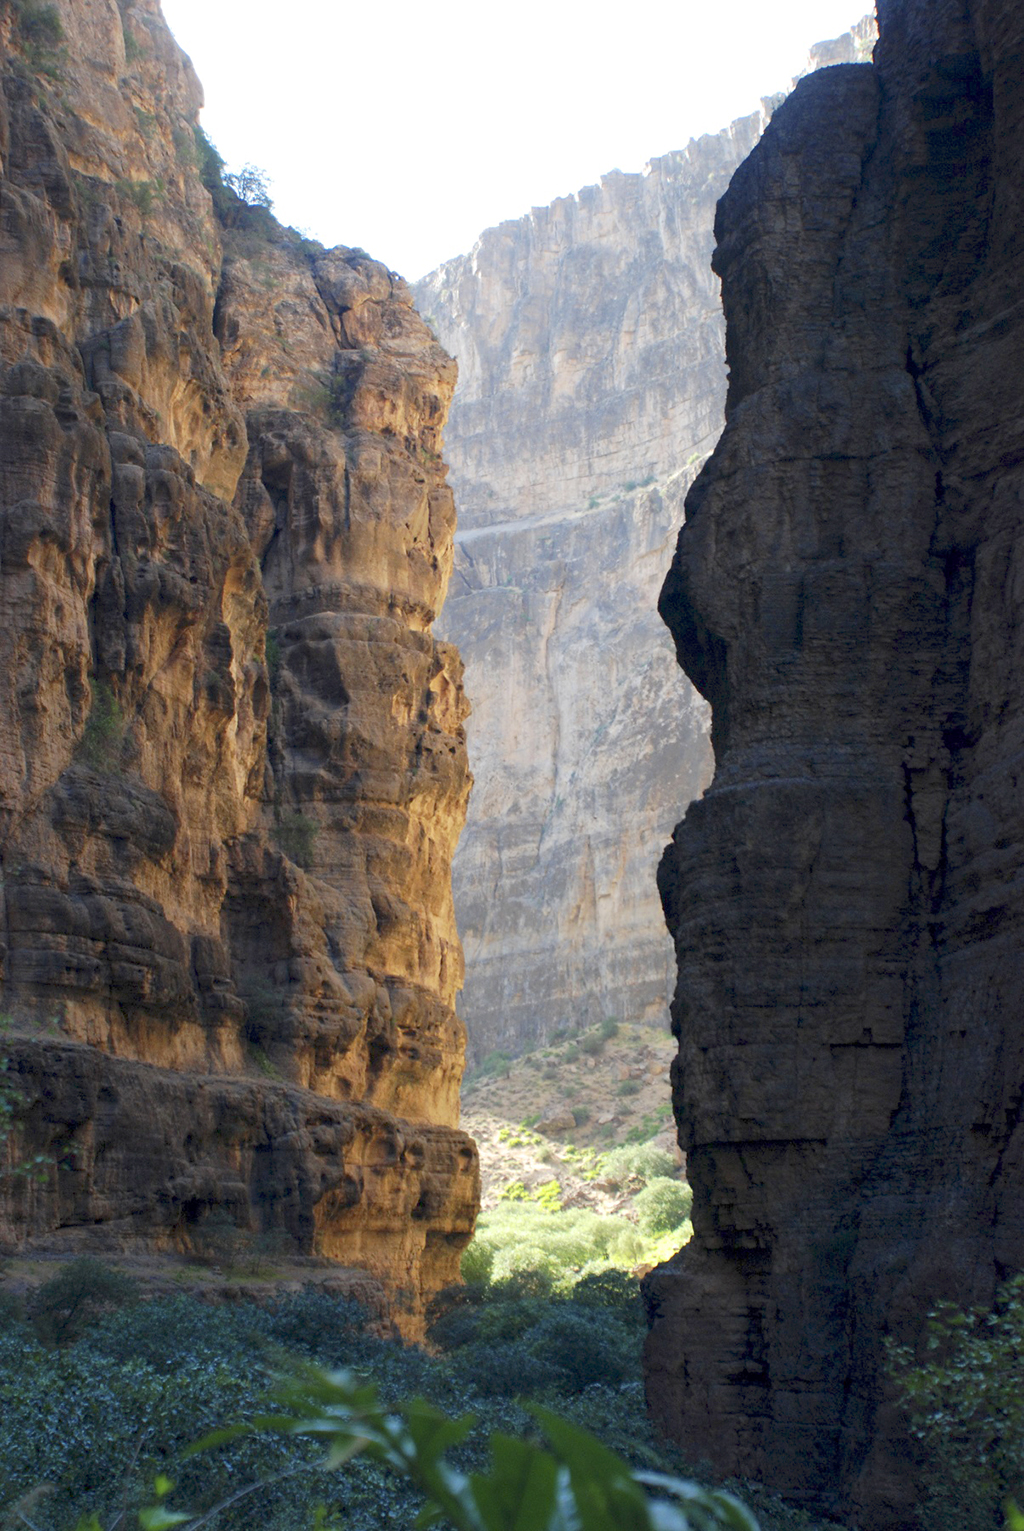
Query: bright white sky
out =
(410, 128)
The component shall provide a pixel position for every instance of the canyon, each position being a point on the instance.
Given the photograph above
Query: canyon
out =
(846, 898)
(590, 344)
(232, 754)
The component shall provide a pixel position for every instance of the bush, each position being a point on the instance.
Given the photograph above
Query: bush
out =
(564, 1245)
(295, 835)
(965, 1405)
(250, 185)
(609, 1028)
(663, 1205)
(104, 730)
(82, 1291)
(12, 1311)
(576, 1483)
(99, 1418)
(640, 1161)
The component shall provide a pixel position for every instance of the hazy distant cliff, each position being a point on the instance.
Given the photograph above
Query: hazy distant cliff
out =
(591, 385)
(232, 763)
(847, 899)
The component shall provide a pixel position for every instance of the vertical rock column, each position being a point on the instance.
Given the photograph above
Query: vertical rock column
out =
(845, 899)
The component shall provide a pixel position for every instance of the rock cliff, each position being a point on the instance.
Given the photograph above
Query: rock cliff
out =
(590, 344)
(846, 899)
(232, 757)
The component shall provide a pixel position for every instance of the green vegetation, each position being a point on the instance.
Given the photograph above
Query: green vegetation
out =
(143, 195)
(114, 1407)
(62, 1309)
(295, 835)
(250, 185)
(12, 1106)
(326, 394)
(40, 34)
(531, 1234)
(103, 736)
(965, 1405)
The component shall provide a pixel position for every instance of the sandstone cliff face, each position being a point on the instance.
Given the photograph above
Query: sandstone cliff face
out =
(589, 337)
(589, 343)
(232, 761)
(846, 899)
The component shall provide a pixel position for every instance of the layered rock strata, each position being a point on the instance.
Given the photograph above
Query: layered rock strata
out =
(589, 337)
(846, 899)
(232, 757)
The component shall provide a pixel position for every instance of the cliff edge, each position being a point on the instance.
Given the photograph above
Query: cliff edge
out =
(232, 757)
(846, 900)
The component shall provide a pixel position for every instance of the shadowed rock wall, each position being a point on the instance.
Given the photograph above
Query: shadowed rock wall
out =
(846, 899)
(232, 760)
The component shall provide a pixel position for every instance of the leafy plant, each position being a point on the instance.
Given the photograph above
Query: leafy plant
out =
(143, 195)
(250, 185)
(12, 1105)
(84, 1289)
(104, 730)
(272, 654)
(209, 161)
(295, 835)
(571, 1483)
(965, 1406)
(663, 1205)
(636, 1163)
(41, 35)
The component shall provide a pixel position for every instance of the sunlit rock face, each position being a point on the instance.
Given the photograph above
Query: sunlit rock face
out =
(847, 898)
(232, 757)
(589, 338)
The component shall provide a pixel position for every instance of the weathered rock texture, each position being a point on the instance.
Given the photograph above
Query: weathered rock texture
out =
(589, 337)
(232, 761)
(847, 899)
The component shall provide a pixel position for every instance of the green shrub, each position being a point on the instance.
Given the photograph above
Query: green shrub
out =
(663, 1205)
(143, 195)
(39, 24)
(81, 1292)
(609, 1028)
(210, 163)
(12, 1105)
(250, 185)
(965, 1405)
(592, 1043)
(295, 835)
(12, 1311)
(562, 1244)
(103, 736)
(100, 1417)
(636, 1162)
(40, 33)
(493, 1065)
(628, 1087)
(272, 654)
(217, 1240)
(577, 1483)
